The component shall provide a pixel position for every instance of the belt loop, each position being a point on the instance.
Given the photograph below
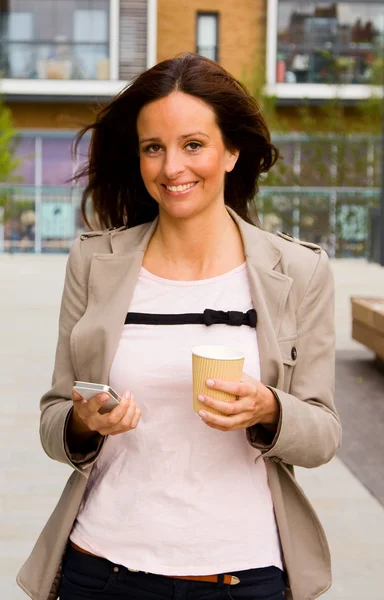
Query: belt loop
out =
(220, 580)
(121, 573)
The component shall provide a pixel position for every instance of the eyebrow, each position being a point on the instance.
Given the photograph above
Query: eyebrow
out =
(181, 137)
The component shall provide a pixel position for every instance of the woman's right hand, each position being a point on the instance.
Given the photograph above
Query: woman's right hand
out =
(86, 419)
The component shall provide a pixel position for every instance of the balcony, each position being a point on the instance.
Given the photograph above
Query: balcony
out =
(54, 60)
(59, 48)
(323, 50)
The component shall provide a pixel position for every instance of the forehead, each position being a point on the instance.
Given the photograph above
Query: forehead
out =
(174, 113)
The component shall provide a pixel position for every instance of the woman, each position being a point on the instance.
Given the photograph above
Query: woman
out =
(161, 503)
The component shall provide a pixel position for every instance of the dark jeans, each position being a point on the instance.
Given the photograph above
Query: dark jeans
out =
(88, 577)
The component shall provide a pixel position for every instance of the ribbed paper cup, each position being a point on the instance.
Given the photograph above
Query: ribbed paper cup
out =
(214, 362)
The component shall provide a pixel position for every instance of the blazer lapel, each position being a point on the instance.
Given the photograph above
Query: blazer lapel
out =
(112, 281)
(269, 292)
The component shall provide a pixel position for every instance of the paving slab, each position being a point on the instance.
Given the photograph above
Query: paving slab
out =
(360, 403)
(354, 523)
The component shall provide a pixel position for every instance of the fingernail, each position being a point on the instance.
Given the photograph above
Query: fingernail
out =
(104, 398)
(126, 394)
(202, 413)
(201, 398)
(210, 382)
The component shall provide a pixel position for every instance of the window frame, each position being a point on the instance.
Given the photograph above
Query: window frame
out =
(87, 89)
(208, 13)
(289, 92)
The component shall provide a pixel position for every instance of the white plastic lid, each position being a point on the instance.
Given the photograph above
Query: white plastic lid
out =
(217, 352)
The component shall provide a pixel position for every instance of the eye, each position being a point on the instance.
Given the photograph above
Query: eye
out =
(196, 145)
(152, 149)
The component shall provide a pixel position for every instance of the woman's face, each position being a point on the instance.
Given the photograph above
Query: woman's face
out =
(183, 159)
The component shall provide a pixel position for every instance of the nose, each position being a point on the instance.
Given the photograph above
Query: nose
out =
(173, 164)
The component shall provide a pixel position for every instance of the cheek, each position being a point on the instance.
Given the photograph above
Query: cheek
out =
(149, 169)
(209, 167)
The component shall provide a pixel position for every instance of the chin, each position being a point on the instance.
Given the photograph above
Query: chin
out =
(182, 210)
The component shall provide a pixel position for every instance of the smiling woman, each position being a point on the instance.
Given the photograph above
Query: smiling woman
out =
(191, 101)
(187, 490)
(183, 166)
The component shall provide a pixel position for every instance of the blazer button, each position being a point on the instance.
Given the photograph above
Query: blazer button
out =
(293, 353)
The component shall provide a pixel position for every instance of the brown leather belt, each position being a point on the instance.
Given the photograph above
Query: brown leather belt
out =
(228, 579)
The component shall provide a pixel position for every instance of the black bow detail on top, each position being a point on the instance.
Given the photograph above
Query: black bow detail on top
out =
(209, 317)
(231, 317)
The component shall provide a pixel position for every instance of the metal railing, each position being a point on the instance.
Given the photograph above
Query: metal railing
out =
(342, 220)
(54, 60)
(39, 219)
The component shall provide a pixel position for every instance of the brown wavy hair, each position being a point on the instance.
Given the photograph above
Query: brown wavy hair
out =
(115, 186)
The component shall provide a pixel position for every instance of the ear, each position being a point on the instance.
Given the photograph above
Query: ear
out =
(231, 160)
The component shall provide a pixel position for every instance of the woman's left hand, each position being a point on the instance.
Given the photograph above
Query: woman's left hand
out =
(255, 404)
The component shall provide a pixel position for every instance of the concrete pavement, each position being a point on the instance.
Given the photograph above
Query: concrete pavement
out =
(31, 483)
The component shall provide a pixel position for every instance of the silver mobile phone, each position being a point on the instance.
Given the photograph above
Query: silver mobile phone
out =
(89, 390)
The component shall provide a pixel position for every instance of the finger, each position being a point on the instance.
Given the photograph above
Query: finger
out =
(93, 406)
(220, 422)
(76, 397)
(237, 388)
(136, 418)
(129, 422)
(233, 407)
(116, 415)
(125, 421)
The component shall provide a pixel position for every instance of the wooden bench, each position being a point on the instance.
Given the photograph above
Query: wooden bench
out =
(368, 323)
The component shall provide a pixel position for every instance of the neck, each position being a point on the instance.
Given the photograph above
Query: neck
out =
(199, 247)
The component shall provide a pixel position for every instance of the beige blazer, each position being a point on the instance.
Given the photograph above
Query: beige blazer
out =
(292, 292)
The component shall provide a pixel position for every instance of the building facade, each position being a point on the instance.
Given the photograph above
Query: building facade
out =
(61, 59)
(232, 33)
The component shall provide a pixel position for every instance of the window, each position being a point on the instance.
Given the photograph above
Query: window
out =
(20, 30)
(25, 152)
(54, 40)
(207, 35)
(90, 32)
(329, 42)
(57, 162)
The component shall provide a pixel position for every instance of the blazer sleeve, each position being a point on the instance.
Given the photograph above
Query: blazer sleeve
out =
(56, 405)
(309, 431)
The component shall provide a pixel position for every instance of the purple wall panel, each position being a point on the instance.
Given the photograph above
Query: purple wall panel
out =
(25, 151)
(57, 161)
(82, 158)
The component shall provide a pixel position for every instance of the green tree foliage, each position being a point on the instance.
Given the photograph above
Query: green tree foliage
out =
(8, 163)
(332, 144)
(337, 137)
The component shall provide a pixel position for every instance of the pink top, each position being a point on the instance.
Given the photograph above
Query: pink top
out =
(174, 496)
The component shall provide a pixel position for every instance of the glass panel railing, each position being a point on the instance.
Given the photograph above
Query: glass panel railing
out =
(344, 221)
(330, 42)
(36, 60)
(39, 219)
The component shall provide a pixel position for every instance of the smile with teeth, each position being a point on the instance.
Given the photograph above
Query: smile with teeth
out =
(180, 188)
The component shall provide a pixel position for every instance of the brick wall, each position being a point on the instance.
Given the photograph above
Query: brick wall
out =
(242, 26)
(51, 115)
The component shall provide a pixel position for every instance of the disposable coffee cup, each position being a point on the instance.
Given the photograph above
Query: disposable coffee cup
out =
(214, 362)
